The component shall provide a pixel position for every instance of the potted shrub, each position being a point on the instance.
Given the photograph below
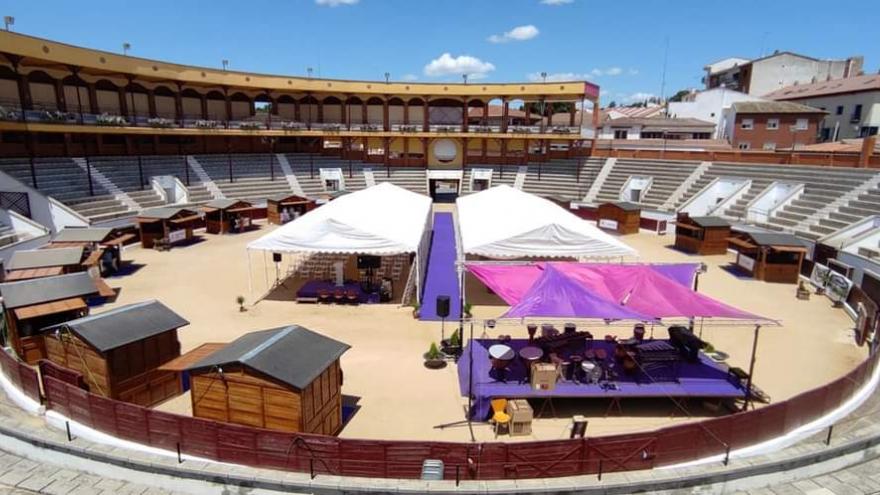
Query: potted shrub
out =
(240, 301)
(467, 310)
(415, 312)
(803, 293)
(452, 345)
(434, 358)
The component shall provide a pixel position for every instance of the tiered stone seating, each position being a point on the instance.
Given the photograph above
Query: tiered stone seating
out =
(123, 172)
(666, 176)
(252, 175)
(557, 179)
(412, 178)
(7, 235)
(307, 171)
(864, 205)
(62, 179)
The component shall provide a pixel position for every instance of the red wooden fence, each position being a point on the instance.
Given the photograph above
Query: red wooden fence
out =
(23, 376)
(403, 459)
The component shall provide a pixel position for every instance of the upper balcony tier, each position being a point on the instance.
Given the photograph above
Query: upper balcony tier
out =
(26, 54)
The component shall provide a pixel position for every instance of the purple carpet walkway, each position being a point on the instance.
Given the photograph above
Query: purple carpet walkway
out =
(441, 278)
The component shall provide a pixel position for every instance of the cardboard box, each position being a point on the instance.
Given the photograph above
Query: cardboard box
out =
(544, 376)
(521, 415)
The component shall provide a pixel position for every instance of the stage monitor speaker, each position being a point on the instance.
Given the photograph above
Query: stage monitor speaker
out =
(365, 262)
(276, 257)
(442, 306)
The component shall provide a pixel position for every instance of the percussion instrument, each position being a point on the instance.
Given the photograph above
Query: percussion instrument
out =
(501, 356)
(591, 371)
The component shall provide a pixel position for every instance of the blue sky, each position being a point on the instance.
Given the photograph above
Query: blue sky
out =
(617, 44)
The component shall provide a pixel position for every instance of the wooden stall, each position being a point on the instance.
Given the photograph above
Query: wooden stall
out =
(167, 226)
(119, 352)
(32, 305)
(770, 257)
(701, 235)
(619, 216)
(37, 263)
(285, 378)
(102, 244)
(228, 215)
(284, 207)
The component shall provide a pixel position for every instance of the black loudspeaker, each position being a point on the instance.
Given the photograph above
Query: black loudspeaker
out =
(442, 306)
(276, 257)
(365, 262)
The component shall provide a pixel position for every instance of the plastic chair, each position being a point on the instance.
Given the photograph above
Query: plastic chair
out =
(499, 416)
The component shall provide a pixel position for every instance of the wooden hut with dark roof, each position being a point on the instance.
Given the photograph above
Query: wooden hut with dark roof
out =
(37, 263)
(770, 256)
(119, 352)
(284, 207)
(228, 215)
(701, 235)
(167, 225)
(32, 305)
(285, 378)
(102, 244)
(619, 216)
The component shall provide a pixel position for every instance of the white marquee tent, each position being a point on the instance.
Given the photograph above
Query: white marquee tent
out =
(381, 220)
(504, 222)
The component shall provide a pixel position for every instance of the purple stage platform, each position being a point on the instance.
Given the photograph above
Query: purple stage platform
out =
(704, 379)
(442, 278)
(309, 291)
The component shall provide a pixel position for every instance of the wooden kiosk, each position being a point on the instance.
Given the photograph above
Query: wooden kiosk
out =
(770, 257)
(167, 225)
(118, 352)
(285, 378)
(228, 215)
(37, 263)
(106, 242)
(32, 305)
(619, 216)
(282, 208)
(701, 235)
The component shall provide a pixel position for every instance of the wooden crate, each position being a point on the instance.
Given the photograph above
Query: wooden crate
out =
(521, 415)
(544, 376)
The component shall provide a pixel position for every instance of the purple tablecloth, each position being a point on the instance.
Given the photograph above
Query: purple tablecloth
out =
(701, 379)
(311, 288)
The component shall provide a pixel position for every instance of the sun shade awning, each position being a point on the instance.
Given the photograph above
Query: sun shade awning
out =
(50, 308)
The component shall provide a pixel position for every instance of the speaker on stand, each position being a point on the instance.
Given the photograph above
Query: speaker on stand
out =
(276, 258)
(443, 313)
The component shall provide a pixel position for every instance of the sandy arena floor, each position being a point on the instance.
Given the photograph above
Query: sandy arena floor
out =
(400, 399)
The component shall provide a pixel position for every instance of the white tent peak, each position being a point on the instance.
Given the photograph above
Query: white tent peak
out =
(383, 219)
(505, 222)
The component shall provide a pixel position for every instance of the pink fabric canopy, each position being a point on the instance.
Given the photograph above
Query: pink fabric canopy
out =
(642, 289)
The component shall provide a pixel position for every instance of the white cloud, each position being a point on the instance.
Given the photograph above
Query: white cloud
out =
(610, 71)
(556, 2)
(633, 72)
(639, 96)
(409, 77)
(558, 76)
(335, 3)
(447, 65)
(519, 33)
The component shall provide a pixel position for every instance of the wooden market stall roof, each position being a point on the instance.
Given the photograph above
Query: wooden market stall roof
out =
(125, 325)
(50, 308)
(82, 234)
(228, 204)
(777, 241)
(185, 361)
(288, 199)
(43, 290)
(704, 222)
(292, 355)
(625, 205)
(44, 258)
(168, 213)
(29, 273)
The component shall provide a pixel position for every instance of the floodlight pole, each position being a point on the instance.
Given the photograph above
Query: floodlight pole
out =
(751, 368)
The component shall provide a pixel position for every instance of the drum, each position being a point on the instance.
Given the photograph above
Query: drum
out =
(501, 356)
(590, 371)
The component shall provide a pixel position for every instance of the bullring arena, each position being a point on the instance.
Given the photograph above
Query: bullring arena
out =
(387, 286)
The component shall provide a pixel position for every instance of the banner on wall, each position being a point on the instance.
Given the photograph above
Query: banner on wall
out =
(836, 286)
(176, 235)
